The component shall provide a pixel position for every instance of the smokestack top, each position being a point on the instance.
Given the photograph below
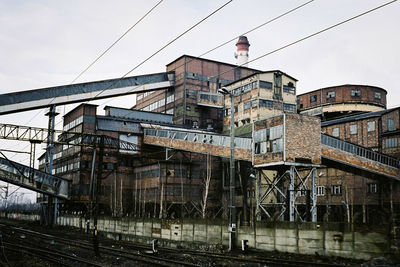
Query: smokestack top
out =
(243, 44)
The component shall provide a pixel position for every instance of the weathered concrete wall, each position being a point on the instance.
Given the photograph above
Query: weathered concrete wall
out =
(328, 239)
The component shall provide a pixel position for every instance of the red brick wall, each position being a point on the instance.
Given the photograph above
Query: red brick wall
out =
(343, 95)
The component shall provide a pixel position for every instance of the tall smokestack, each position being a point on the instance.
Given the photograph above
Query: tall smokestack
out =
(242, 54)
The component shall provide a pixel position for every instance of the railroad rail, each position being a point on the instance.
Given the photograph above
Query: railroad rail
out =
(165, 256)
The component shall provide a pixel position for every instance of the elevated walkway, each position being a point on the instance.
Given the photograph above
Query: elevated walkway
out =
(332, 151)
(354, 156)
(32, 179)
(198, 142)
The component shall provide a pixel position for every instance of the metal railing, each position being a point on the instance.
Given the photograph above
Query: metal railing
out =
(217, 140)
(359, 151)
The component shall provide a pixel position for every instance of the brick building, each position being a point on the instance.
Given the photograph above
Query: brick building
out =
(340, 101)
(159, 180)
(259, 96)
(358, 115)
(194, 100)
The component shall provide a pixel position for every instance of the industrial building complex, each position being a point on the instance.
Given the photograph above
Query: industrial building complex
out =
(208, 139)
(326, 155)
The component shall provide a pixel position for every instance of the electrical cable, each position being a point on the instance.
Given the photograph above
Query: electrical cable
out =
(233, 39)
(122, 36)
(299, 40)
(309, 36)
(104, 52)
(155, 53)
(162, 48)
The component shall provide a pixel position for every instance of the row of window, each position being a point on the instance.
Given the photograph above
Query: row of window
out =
(263, 84)
(73, 123)
(261, 103)
(371, 126)
(160, 103)
(269, 140)
(336, 190)
(353, 93)
(144, 95)
(354, 129)
(67, 167)
(177, 172)
(245, 88)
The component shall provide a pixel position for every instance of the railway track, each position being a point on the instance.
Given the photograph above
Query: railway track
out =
(56, 254)
(143, 255)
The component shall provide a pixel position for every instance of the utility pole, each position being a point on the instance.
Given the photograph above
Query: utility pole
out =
(46, 212)
(232, 209)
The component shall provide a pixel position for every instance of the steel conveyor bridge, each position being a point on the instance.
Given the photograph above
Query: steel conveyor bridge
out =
(76, 93)
(29, 178)
(332, 149)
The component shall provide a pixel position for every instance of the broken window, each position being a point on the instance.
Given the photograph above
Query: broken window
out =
(356, 93)
(277, 85)
(313, 98)
(377, 95)
(330, 95)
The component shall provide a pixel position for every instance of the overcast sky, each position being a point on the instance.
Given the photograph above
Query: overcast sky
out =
(48, 43)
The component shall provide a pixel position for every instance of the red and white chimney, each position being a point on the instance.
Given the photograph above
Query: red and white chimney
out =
(242, 54)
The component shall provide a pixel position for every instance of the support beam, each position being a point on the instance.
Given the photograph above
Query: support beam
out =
(77, 93)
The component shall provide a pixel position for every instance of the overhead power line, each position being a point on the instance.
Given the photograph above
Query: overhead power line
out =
(122, 36)
(233, 39)
(309, 36)
(104, 52)
(155, 53)
(162, 48)
(255, 28)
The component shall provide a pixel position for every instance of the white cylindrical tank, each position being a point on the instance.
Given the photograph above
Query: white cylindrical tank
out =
(242, 54)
